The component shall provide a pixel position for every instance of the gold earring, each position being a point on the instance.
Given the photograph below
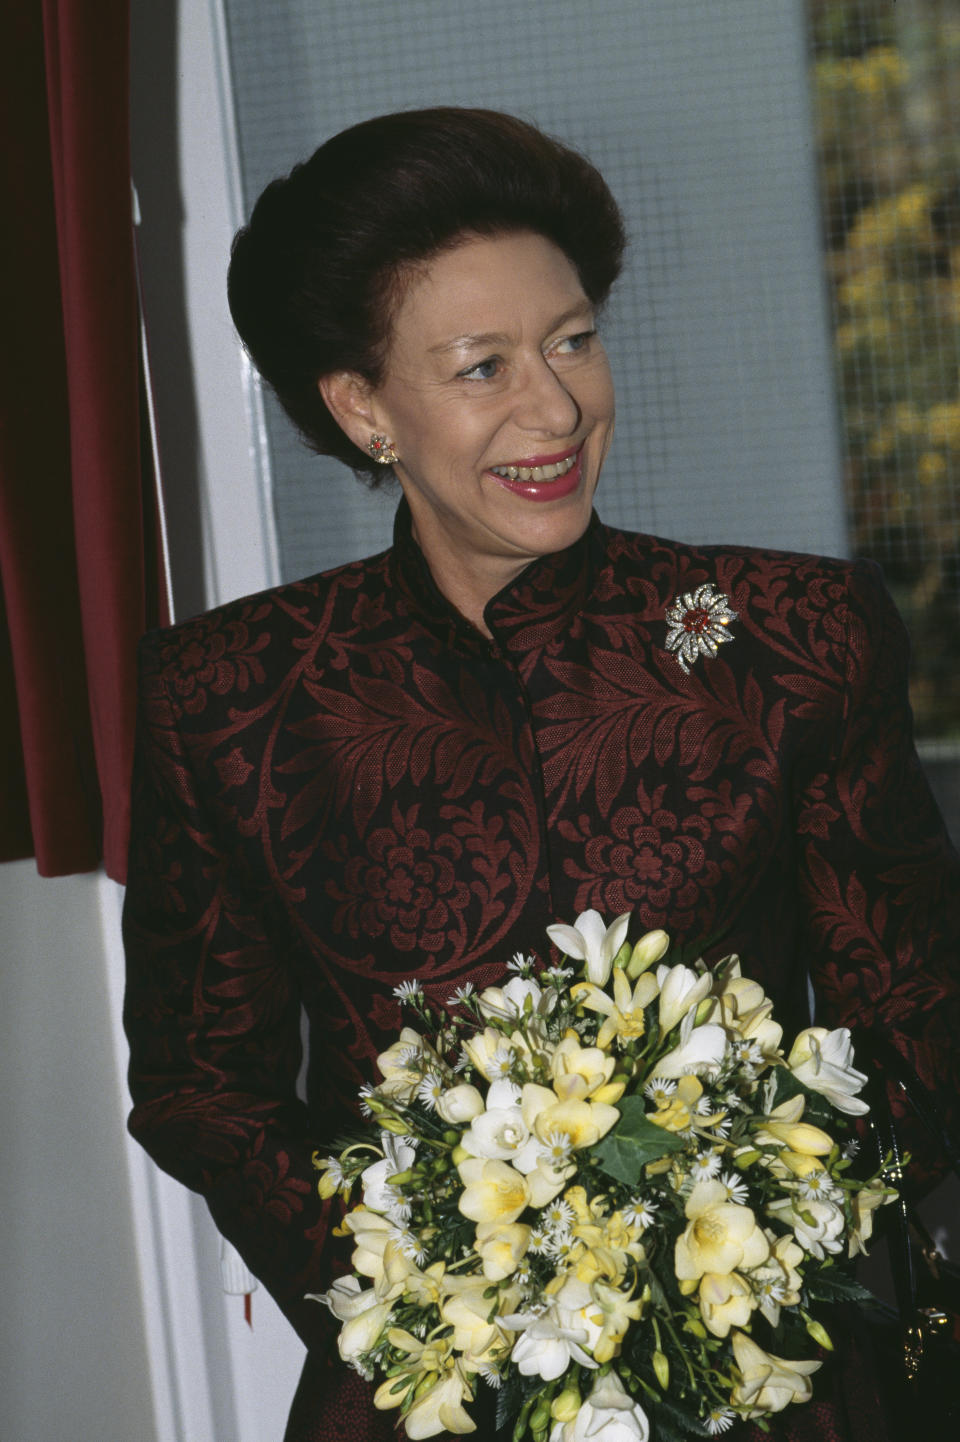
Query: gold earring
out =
(381, 449)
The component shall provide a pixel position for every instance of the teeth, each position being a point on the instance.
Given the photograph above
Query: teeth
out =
(536, 473)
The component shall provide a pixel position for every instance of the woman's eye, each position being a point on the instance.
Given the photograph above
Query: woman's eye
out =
(571, 344)
(484, 370)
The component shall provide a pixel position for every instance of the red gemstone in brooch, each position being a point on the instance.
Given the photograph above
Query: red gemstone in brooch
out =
(697, 624)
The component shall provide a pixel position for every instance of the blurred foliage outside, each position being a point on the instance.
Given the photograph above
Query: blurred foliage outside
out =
(886, 78)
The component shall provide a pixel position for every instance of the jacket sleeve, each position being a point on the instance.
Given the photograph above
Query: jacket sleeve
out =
(213, 1019)
(879, 877)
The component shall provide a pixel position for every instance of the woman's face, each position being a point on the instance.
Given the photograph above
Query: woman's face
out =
(498, 399)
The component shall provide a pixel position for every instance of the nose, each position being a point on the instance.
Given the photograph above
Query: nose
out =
(544, 405)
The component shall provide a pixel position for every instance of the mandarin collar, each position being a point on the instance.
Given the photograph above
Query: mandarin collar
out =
(532, 610)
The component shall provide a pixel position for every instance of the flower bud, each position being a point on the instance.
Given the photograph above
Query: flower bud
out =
(566, 1404)
(395, 1125)
(540, 1419)
(662, 1368)
(819, 1334)
(326, 1186)
(458, 1155)
(623, 956)
(648, 950)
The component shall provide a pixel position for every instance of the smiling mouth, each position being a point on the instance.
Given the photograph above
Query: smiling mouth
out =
(538, 473)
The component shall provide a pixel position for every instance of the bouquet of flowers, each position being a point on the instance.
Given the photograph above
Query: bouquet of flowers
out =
(604, 1190)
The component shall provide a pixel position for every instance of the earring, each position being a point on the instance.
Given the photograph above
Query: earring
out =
(381, 448)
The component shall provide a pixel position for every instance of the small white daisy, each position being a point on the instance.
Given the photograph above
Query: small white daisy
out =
(491, 1376)
(363, 1094)
(367, 1373)
(736, 1188)
(559, 1247)
(520, 963)
(558, 1216)
(500, 1063)
(850, 1149)
(539, 1241)
(640, 1212)
(719, 1419)
(461, 995)
(431, 1089)
(556, 1149)
(818, 1186)
(411, 1246)
(334, 1170)
(705, 1166)
(771, 1289)
(734, 1103)
(659, 1091)
(407, 990)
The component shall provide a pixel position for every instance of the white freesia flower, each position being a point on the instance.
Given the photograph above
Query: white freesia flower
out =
(500, 1133)
(767, 1383)
(345, 1298)
(700, 1049)
(358, 1334)
(378, 1194)
(460, 1104)
(817, 1226)
(507, 1003)
(681, 990)
(609, 1413)
(590, 941)
(440, 1409)
(549, 1341)
(823, 1061)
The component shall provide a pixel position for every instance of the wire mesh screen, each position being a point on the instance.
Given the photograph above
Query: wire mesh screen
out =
(886, 82)
(698, 113)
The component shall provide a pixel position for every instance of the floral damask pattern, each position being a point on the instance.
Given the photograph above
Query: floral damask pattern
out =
(340, 784)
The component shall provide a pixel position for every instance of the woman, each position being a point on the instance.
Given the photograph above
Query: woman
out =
(413, 764)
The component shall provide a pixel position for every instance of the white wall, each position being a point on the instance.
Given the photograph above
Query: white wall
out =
(73, 1351)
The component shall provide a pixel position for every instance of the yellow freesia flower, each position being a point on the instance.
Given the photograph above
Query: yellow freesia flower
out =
(583, 1122)
(678, 1113)
(745, 1009)
(785, 1127)
(726, 1301)
(400, 1065)
(865, 1203)
(624, 1010)
(721, 1236)
(500, 1246)
(371, 1233)
(492, 1191)
(579, 1072)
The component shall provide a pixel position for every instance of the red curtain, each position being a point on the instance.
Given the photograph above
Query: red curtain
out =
(78, 580)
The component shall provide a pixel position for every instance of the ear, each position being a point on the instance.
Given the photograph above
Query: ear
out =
(349, 399)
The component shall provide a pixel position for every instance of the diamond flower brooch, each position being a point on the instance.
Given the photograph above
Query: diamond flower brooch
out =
(697, 624)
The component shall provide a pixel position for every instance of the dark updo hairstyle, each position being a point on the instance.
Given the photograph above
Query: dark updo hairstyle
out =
(315, 277)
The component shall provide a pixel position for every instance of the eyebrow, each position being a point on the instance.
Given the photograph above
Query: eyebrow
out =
(495, 338)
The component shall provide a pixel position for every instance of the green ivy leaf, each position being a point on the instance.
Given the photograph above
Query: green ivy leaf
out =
(633, 1142)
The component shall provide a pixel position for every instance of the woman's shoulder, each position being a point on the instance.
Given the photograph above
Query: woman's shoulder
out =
(752, 575)
(243, 642)
(689, 556)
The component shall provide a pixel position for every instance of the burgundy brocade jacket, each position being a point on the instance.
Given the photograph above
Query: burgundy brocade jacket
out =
(341, 784)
